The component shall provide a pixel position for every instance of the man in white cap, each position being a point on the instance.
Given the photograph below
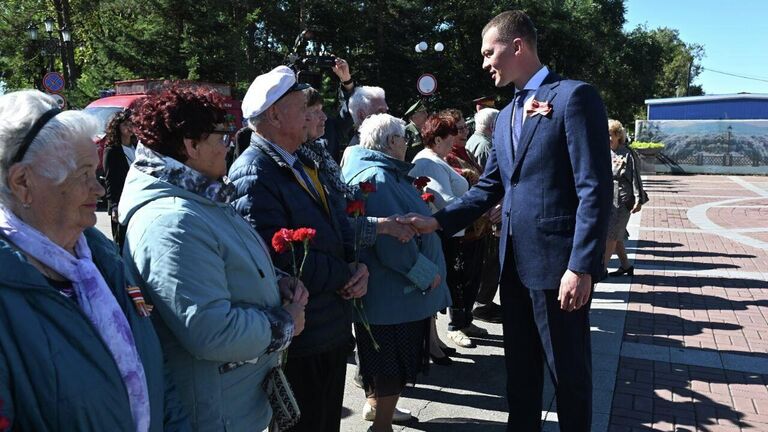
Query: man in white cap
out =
(278, 188)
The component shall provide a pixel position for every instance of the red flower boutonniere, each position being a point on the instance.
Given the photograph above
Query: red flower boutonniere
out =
(536, 107)
(142, 307)
(421, 183)
(428, 198)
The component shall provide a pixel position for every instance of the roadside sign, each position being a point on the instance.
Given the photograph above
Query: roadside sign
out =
(60, 100)
(426, 84)
(53, 82)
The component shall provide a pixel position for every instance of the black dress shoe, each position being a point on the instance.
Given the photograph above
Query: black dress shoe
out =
(490, 313)
(442, 361)
(630, 271)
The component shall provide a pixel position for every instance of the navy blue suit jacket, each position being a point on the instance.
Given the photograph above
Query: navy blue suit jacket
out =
(557, 191)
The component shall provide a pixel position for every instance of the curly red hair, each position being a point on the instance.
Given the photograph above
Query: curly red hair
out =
(165, 119)
(438, 126)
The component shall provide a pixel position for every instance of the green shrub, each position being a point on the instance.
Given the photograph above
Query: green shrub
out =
(640, 145)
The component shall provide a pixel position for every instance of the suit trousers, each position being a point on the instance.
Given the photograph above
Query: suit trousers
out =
(317, 382)
(538, 332)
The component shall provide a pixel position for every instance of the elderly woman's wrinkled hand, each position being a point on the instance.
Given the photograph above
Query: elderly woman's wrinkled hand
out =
(292, 290)
(297, 313)
(357, 285)
(390, 227)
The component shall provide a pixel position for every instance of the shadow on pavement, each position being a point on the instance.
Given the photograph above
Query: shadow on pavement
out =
(458, 424)
(671, 265)
(649, 392)
(645, 244)
(686, 253)
(686, 300)
(692, 281)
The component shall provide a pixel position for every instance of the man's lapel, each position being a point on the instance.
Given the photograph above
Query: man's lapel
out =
(503, 135)
(545, 93)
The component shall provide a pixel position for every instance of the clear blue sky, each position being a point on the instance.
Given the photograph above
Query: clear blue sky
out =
(734, 34)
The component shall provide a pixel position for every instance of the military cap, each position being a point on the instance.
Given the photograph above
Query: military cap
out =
(418, 106)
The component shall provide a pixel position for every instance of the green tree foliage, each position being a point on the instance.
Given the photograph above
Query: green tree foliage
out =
(232, 41)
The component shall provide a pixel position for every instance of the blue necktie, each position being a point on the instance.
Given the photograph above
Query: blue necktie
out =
(298, 166)
(517, 122)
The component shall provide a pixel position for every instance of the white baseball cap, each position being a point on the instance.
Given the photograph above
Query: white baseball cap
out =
(268, 88)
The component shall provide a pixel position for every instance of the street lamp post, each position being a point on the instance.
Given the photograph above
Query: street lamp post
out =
(50, 45)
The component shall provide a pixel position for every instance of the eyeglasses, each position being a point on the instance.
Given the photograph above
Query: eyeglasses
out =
(225, 138)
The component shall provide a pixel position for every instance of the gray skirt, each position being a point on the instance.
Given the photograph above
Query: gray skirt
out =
(617, 225)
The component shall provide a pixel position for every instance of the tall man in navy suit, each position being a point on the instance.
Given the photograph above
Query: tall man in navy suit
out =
(550, 163)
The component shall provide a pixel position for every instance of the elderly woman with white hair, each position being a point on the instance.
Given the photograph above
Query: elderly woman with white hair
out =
(407, 283)
(77, 348)
(479, 144)
(364, 102)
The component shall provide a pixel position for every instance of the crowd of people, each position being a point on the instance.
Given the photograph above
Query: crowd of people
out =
(245, 270)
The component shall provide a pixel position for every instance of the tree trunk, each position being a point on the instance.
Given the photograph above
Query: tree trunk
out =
(66, 50)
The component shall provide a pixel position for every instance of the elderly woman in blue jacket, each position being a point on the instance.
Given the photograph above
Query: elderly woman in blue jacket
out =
(77, 349)
(407, 282)
(222, 314)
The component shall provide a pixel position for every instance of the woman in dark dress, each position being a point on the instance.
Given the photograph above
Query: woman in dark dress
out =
(118, 156)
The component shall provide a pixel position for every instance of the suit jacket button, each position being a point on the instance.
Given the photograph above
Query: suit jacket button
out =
(514, 184)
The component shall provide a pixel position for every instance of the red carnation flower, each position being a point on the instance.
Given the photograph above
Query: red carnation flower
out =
(427, 198)
(304, 234)
(421, 182)
(356, 208)
(367, 187)
(281, 240)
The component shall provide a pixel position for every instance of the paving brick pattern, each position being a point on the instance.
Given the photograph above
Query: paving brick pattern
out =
(701, 291)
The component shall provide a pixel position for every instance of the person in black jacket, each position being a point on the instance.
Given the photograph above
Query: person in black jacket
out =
(118, 156)
(278, 188)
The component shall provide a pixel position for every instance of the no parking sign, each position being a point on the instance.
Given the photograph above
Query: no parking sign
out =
(53, 82)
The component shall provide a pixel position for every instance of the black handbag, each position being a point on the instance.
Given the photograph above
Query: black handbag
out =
(285, 409)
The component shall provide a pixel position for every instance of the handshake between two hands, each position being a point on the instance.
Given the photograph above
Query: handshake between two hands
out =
(405, 227)
(411, 224)
(575, 289)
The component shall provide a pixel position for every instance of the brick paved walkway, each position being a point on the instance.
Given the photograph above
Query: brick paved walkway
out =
(681, 346)
(694, 354)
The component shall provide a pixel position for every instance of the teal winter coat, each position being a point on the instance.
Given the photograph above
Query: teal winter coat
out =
(400, 273)
(212, 282)
(56, 374)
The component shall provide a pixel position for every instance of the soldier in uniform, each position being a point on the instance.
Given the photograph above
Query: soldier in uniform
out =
(417, 114)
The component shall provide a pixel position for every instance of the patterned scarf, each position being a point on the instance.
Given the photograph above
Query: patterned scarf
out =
(316, 150)
(96, 301)
(171, 171)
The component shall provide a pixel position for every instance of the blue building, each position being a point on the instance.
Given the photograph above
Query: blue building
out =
(741, 106)
(718, 134)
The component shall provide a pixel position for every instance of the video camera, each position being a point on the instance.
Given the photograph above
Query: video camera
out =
(309, 58)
